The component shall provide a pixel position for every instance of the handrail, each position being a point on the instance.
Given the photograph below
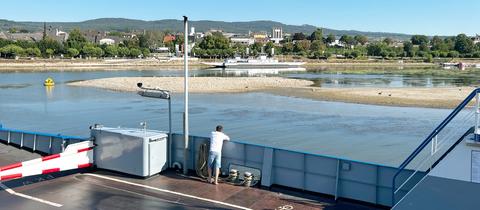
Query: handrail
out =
(41, 133)
(430, 137)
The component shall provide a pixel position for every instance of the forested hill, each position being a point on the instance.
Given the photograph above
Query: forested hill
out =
(121, 24)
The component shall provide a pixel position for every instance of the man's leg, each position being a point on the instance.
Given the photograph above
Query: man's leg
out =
(209, 179)
(210, 165)
(218, 165)
(217, 171)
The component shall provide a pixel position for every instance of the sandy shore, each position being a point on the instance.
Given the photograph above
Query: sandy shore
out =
(92, 64)
(149, 63)
(414, 97)
(197, 84)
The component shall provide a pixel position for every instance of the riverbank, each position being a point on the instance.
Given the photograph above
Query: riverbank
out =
(93, 64)
(196, 84)
(177, 63)
(447, 97)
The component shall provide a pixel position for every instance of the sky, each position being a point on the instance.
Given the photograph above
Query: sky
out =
(429, 17)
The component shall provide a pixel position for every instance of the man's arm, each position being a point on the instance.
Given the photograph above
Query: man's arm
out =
(226, 138)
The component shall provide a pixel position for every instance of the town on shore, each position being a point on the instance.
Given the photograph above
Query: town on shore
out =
(17, 45)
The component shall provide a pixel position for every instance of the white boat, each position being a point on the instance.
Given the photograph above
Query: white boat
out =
(255, 71)
(261, 62)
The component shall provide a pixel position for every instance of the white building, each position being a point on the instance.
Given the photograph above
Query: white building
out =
(476, 39)
(277, 35)
(107, 41)
(242, 40)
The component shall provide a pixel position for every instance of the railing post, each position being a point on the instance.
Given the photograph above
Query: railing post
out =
(477, 118)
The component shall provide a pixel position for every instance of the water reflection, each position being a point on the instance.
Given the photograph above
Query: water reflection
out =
(379, 80)
(49, 91)
(242, 72)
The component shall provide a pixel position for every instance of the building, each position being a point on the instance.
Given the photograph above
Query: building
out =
(106, 41)
(2, 35)
(169, 38)
(277, 35)
(243, 40)
(24, 36)
(260, 37)
(476, 39)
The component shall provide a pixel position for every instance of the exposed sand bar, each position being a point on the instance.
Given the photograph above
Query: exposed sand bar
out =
(417, 97)
(196, 84)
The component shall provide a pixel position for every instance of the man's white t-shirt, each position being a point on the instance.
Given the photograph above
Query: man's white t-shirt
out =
(216, 141)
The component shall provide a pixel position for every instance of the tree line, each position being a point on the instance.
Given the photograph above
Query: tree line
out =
(316, 45)
(75, 46)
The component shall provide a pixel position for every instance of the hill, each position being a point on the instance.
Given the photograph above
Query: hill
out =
(122, 24)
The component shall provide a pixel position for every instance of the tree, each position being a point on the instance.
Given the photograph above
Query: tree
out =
(438, 44)
(76, 40)
(12, 51)
(92, 51)
(419, 39)
(377, 49)
(215, 45)
(287, 47)
(301, 46)
(145, 52)
(123, 51)
(389, 41)
(317, 45)
(330, 39)
(33, 52)
(299, 36)
(72, 52)
(317, 35)
(361, 39)
(347, 40)
(49, 43)
(268, 48)
(453, 54)
(111, 50)
(256, 48)
(424, 47)
(408, 48)
(215, 41)
(135, 52)
(49, 52)
(463, 44)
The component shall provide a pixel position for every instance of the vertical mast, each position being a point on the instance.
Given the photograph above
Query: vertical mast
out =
(185, 114)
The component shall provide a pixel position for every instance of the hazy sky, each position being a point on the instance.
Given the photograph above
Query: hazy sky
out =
(443, 17)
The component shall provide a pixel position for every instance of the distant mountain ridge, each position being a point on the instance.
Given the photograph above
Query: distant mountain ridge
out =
(123, 24)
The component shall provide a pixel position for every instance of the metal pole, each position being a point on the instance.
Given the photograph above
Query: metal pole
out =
(185, 115)
(170, 131)
(477, 118)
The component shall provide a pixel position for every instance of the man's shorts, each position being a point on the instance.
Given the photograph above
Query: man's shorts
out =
(214, 160)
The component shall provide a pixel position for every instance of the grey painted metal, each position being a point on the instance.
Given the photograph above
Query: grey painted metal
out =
(169, 140)
(436, 193)
(304, 171)
(337, 179)
(185, 113)
(37, 142)
(21, 140)
(267, 167)
(137, 152)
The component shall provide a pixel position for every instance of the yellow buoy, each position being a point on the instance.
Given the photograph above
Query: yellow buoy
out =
(49, 82)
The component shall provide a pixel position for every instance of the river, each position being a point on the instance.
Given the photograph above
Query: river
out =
(377, 134)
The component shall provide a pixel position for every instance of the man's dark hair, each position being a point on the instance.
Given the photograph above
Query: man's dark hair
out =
(219, 128)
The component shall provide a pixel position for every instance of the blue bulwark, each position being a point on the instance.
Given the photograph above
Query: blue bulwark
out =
(267, 167)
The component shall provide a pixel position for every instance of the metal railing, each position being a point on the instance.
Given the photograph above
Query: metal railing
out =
(437, 145)
(45, 143)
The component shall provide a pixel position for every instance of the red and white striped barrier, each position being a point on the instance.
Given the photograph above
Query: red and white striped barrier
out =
(78, 155)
